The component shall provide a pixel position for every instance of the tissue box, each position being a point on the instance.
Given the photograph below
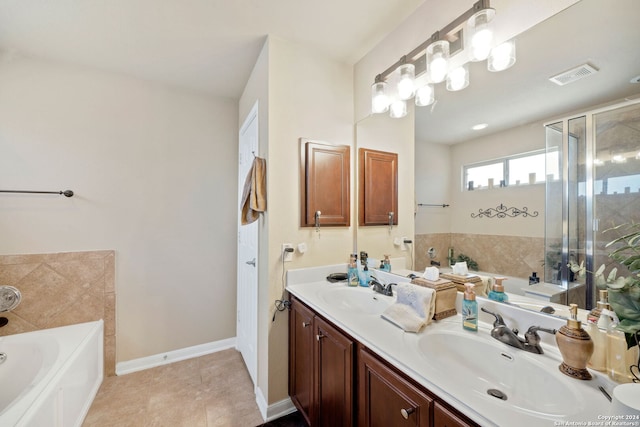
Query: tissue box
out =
(446, 293)
(460, 280)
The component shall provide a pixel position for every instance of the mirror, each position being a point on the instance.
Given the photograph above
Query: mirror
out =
(515, 104)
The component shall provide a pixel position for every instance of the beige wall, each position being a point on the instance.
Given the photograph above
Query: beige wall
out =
(149, 165)
(302, 94)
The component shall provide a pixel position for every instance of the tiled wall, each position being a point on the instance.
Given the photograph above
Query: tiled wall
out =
(509, 255)
(63, 289)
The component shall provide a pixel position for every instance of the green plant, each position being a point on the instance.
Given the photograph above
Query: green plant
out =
(471, 264)
(624, 292)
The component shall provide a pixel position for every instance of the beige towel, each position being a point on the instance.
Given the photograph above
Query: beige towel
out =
(254, 194)
(413, 309)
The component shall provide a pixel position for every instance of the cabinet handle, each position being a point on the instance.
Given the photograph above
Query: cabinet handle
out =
(406, 412)
(320, 335)
(305, 324)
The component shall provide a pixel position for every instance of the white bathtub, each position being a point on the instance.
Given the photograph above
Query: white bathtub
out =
(50, 377)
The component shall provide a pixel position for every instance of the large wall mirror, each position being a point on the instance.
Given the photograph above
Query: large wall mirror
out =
(515, 104)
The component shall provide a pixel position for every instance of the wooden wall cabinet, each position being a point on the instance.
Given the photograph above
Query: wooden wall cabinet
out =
(325, 177)
(378, 187)
(325, 372)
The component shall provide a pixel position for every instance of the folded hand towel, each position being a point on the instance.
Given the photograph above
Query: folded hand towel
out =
(413, 309)
(254, 194)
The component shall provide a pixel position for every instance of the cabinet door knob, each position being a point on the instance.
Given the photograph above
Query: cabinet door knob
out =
(305, 324)
(406, 412)
(319, 336)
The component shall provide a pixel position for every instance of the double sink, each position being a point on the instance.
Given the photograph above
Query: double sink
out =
(488, 380)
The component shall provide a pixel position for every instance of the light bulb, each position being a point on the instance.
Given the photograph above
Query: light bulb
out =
(438, 60)
(406, 84)
(458, 78)
(398, 109)
(425, 95)
(379, 99)
(502, 56)
(480, 34)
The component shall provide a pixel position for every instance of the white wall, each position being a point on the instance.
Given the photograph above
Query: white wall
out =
(513, 141)
(433, 186)
(150, 167)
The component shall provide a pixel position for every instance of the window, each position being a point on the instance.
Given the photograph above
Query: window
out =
(520, 169)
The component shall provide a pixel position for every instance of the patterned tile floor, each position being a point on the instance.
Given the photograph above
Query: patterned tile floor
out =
(210, 391)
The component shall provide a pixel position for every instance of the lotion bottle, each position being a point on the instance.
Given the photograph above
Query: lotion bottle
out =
(598, 321)
(619, 357)
(497, 291)
(469, 308)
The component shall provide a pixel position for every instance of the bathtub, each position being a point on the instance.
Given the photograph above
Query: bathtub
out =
(50, 377)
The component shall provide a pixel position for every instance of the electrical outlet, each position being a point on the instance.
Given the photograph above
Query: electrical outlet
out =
(287, 256)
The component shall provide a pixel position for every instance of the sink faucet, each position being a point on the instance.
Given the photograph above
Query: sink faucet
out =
(530, 342)
(380, 287)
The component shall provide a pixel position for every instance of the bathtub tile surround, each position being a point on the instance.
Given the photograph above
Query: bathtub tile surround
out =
(60, 289)
(515, 256)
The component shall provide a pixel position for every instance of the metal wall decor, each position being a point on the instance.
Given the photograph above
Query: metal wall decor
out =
(502, 211)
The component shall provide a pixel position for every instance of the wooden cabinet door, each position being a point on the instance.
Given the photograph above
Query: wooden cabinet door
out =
(443, 417)
(333, 377)
(386, 399)
(326, 185)
(301, 347)
(378, 187)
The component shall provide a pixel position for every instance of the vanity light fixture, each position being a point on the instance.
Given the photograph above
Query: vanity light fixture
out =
(469, 37)
(458, 78)
(618, 158)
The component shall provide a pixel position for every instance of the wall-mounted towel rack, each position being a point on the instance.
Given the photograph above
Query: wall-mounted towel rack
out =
(67, 193)
(443, 205)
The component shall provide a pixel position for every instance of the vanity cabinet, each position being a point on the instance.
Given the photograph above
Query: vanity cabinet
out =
(326, 373)
(321, 361)
(387, 399)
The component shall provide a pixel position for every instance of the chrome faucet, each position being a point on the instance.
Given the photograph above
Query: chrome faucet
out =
(530, 342)
(380, 287)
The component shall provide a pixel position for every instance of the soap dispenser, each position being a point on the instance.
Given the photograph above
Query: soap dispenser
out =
(469, 308)
(576, 347)
(352, 273)
(497, 291)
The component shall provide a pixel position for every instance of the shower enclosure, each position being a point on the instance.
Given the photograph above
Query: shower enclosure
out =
(592, 185)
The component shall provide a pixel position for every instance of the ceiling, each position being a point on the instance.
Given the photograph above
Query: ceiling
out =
(604, 37)
(204, 45)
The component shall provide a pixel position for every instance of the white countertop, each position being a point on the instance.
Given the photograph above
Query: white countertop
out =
(403, 351)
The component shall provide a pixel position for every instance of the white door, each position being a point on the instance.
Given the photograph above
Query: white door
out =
(247, 300)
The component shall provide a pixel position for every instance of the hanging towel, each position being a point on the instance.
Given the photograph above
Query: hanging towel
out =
(254, 194)
(413, 309)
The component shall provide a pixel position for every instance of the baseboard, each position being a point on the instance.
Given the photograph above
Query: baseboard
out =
(173, 356)
(274, 411)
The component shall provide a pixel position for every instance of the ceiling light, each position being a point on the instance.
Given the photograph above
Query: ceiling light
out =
(425, 95)
(458, 78)
(480, 126)
(618, 158)
(406, 84)
(480, 34)
(502, 56)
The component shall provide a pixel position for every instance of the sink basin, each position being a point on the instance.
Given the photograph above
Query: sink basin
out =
(485, 369)
(356, 300)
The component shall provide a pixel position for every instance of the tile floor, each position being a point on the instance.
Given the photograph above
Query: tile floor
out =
(209, 391)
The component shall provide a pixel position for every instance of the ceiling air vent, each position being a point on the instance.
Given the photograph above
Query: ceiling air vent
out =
(573, 74)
